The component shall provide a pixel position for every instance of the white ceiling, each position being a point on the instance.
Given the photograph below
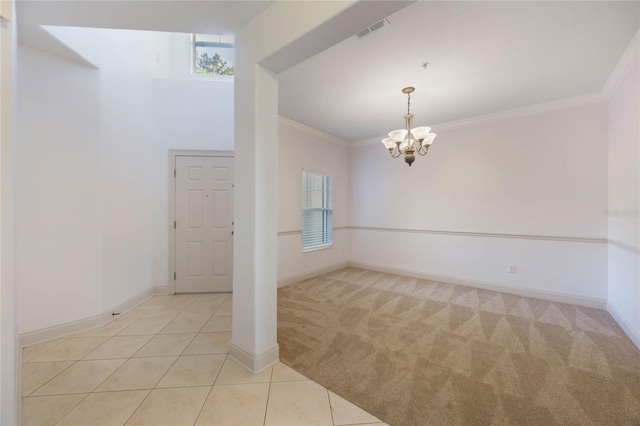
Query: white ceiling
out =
(204, 16)
(200, 16)
(484, 57)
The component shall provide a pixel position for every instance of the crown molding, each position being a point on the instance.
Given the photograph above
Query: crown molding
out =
(310, 131)
(365, 142)
(621, 70)
(624, 65)
(556, 105)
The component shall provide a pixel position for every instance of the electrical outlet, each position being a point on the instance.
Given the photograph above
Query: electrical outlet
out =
(512, 269)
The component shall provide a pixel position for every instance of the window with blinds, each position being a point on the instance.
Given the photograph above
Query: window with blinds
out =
(317, 211)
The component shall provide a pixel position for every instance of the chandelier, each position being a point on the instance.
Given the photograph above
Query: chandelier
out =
(410, 140)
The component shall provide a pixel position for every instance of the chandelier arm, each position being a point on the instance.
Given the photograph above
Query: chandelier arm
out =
(396, 151)
(423, 150)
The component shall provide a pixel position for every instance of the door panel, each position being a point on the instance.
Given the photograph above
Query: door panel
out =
(195, 208)
(220, 209)
(220, 173)
(219, 258)
(195, 173)
(204, 224)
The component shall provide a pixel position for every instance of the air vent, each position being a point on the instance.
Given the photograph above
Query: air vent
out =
(363, 33)
(375, 27)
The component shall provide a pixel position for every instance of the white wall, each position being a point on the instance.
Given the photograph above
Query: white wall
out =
(624, 203)
(126, 164)
(187, 114)
(92, 167)
(10, 384)
(298, 149)
(84, 180)
(541, 175)
(173, 56)
(57, 190)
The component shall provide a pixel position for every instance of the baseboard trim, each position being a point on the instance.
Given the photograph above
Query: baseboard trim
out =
(633, 334)
(62, 330)
(18, 372)
(527, 292)
(292, 279)
(255, 364)
(160, 290)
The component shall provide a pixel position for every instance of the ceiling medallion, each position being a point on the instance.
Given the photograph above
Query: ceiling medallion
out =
(410, 140)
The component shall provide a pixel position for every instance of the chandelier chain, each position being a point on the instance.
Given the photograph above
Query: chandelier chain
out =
(408, 103)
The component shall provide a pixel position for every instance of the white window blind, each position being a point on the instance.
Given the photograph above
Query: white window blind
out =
(317, 211)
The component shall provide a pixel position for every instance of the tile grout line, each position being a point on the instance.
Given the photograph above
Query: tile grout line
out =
(159, 380)
(73, 362)
(220, 305)
(125, 359)
(61, 360)
(266, 406)
(87, 394)
(158, 356)
(62, 339)
(211, 389)
(138, 407)
(156, 384)
(118, 357)
(205, 323)
(107, 341)
(294, 381)
(72, 408)
(333, 422)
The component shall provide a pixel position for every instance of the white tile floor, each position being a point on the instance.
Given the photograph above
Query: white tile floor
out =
(166, 363)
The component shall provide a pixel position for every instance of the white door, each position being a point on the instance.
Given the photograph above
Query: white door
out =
(204, 224)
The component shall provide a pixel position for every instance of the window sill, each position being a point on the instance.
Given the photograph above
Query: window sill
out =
(317, 248)
(212, 77)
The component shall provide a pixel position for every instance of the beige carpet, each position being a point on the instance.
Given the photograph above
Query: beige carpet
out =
(415, 352)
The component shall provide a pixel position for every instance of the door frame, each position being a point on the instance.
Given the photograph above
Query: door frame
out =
(173, 154)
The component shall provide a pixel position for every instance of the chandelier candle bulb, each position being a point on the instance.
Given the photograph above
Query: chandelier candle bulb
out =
(410, 140)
